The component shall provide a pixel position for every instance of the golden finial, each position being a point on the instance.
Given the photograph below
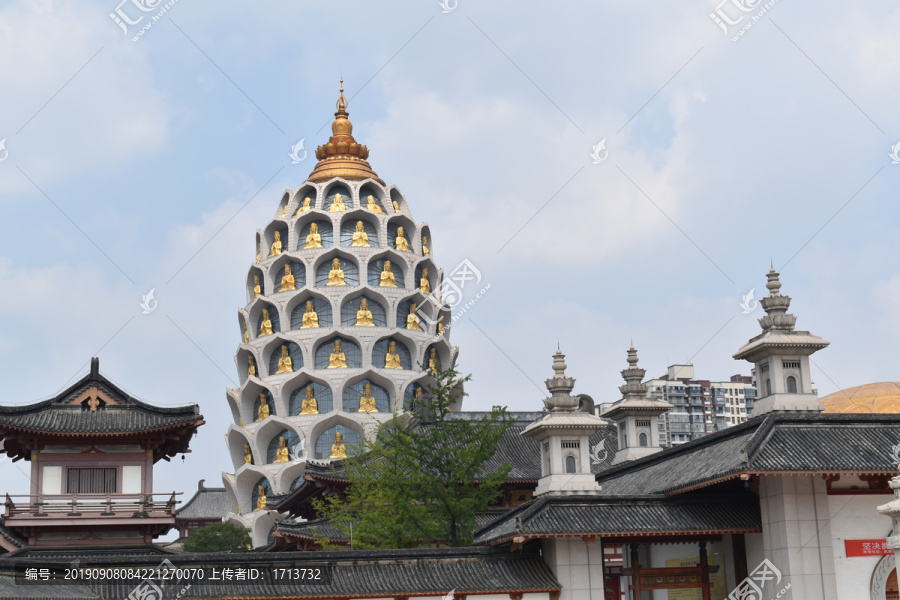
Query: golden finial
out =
(342, 102)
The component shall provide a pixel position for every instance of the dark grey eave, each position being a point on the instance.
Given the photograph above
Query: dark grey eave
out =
(206, 503)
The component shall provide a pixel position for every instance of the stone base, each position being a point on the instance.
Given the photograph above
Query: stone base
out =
(627, 454)
(787, 402)
(567, 483)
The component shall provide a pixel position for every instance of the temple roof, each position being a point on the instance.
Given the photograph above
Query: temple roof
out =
(591, 515)
(777, 442)
(206, 503)
(94, 407)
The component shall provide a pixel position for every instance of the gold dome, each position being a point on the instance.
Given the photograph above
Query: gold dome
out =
(342, 156)
(871, 398)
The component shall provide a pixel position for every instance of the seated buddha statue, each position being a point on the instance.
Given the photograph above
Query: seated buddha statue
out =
(248, 456)
(337, 360)
(364, 315)
(263, 411)
(338, 449)
(336, 274)
(424, 285)
(372, 205)
(387, 276)
(392, 358)
(276, 245)
(287, 280)
(338, 204)
(245, 334)
(283, 212)
(396, 206)
(313, 240)
(432, 361)
(309, 406)
(400, 241)
(251, 366)
(367, 400)
(258, 252)
(412, 321)
(281, 454)
(425, 250)
(257, 289)
(310, 318)
(265, 327)
(305, 207)
(440, 327)
(261, 498)
(360, 237)
(285, 364)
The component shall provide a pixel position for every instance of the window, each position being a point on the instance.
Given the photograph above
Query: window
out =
(570, 463)
(790, 365)
(642, 423)
(643, 440)
(768, 387)
(791, 385)
(91, 480)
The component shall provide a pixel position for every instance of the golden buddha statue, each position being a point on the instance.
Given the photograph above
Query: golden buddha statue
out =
(425, 250)
(440, 327)
(338, 449)
(392, 358)
(263, 411)
(258, 252)
(364, 315)
(432, 361)
(309, 406)
(251, 366)
(371, 205)
(360, 237)
(387, 276)
(367, 400)
(313, 240)
(424, 285)
(283, 212)
(306, 206)
(287, 280)
(281, 454)
(338, 204)
(412, 321)
(265, 328)
(396, 206)
(337, 359)
(285, 364)
(261, 498)
(336, 274)
(248, 456)
(245, 334)
(400, 241)
(276, 245)
(310, 318)
(257, 289)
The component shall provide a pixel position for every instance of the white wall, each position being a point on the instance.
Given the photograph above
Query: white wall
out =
(578, 567)
(856, 518)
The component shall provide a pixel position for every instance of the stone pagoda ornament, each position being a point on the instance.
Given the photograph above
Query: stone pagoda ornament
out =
(892, 508)
(780, 355)
(563, 435)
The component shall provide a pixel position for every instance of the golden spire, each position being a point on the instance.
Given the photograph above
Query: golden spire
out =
(342, 156)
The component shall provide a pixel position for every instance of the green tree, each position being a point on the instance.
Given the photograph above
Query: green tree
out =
(424, 477)
(218, 537)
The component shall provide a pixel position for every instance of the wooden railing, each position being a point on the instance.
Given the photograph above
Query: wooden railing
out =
(90, 505)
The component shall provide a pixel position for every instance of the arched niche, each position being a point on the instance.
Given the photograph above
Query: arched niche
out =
(427, 271)
(350, 230)
(277, 231)
(293, 443)
(237, 440)
(441, 356)
(350, 311)
(381, 350)
(332, 201)
(354, 393)
(377, 267)
(307, 240)
(350, 349)
(321, 308)
(377, 194)
(412, 315)
(242, 325)
(262, 482)
(415, 393)
(255, 278)
(287, 266)
(245, 359)
(352, 440)
(307, 191)
(425, 242)
(398, 203)
(263, 310)
(394, 233)
(275, 353)
(282, 211)
(347, 265)
(232, 397)
(258, 402)
(321, 393)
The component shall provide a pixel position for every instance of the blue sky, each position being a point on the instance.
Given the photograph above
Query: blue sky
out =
(150, 164)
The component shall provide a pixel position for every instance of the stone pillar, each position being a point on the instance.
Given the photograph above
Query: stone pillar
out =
(577, 565)
(797, 536)
(892, 510)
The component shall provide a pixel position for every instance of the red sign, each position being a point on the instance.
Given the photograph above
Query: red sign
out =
(867, 547)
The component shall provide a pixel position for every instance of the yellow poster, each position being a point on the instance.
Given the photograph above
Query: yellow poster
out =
(717, 591)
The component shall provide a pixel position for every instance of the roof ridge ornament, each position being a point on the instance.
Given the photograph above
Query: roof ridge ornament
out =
(776, 306)
(633, 376)
(560, 387)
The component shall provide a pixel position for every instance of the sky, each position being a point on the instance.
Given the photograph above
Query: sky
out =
(615, 171)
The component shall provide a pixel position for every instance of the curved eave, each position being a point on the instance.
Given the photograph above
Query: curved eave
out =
(195, 423)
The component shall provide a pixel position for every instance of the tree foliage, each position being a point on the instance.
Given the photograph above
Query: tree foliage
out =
(218, 537)
(424, 477)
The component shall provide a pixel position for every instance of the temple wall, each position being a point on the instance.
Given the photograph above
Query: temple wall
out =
(855, 517)
(578, 568)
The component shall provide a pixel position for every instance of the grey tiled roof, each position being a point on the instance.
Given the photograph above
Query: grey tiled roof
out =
(11, 537)
(552, 516)
(778, 441)
(10, 590)
(206, 503)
